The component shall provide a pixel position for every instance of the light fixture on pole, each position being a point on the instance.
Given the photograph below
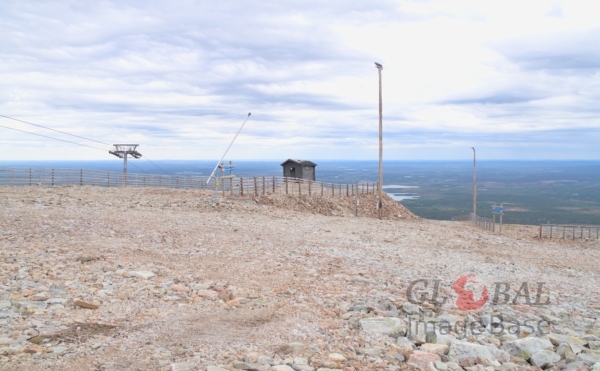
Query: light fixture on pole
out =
(380, 182)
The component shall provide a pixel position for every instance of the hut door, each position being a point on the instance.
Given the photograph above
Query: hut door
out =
(292, 172)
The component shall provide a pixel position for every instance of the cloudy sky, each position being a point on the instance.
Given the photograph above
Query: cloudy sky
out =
(516, 79)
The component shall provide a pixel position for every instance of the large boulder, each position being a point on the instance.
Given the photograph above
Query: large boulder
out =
(525, 348)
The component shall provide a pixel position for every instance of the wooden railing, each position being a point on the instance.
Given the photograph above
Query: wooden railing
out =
(571, 232)
(480, 221)
(227, 186)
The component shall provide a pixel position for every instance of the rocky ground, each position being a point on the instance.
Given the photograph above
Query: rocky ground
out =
(155, 279)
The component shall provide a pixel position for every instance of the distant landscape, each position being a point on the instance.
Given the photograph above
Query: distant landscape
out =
(532, 192)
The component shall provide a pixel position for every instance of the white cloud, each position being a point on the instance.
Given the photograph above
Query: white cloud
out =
(182, 75)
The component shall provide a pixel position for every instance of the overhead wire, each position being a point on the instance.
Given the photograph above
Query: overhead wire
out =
(152, 162)
(58, 131)
(67, 141)
(73, 135)
(45, 136)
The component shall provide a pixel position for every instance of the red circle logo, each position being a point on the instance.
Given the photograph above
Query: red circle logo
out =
(466, 300)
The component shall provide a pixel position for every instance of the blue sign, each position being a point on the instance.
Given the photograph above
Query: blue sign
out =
(497, 209)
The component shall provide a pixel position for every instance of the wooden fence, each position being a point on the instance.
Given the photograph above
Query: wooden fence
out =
(572, 232)
(480, 221)
(226, 186)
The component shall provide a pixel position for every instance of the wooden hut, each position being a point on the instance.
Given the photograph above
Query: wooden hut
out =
(301, 169)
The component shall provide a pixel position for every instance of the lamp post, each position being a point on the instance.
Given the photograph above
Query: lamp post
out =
(474, 183)
(380, 183)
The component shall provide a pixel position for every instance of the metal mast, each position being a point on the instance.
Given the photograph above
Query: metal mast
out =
(474, 183)
(380, 183)
(122, 151)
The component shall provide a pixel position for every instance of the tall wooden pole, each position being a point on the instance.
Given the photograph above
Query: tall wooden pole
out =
(474, 182)
(380, 183)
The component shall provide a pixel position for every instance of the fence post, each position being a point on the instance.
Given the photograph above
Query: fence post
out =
(264, 185)
(52, 177)
(241, 186)
(299, 186)
(309, 190)
(255, 187)
(30, 176)
(273, 184)
(286, 185)
(540, 231)
(347, 194)
(108, 178)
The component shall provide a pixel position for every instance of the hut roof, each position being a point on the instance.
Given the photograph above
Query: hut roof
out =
(299, 162)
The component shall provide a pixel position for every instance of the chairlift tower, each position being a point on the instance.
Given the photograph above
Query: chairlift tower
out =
(122, 151)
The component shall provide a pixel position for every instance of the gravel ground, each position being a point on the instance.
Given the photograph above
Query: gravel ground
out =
(158, 279)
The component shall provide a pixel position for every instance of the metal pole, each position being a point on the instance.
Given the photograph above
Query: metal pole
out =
(227, 150)
(474, 182)
(356, 201)
(380, 183)
(125, 169)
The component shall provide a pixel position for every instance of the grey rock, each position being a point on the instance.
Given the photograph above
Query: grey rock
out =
(5, 340)
(56, 301)
(391, 326)
(184, 366)
(465, 353)
(302, 367)
(30, 304)
(141, 274)
(419, 330)
(55, 290)
(543, 358)
(371, 351)
(200, 286)
(525, 348)
(358, 308)
(300, 361)
(576, 366)
(589, 358)
(411, 308)
(404, 341)
(59, 350)
(445, 339)
(565, 352)
(440, 366)
(577, 344)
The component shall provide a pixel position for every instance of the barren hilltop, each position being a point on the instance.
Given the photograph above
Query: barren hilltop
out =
(157, 279)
